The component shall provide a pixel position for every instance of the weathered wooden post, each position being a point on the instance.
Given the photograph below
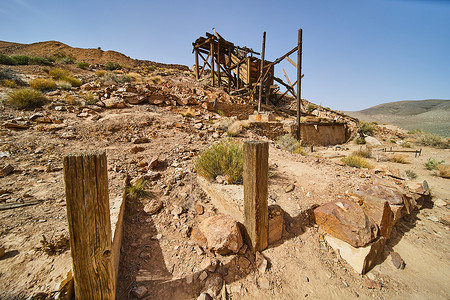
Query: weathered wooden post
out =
(196, 64)
(256, 216)
(88, 215)
(262, 72)
(299, 83)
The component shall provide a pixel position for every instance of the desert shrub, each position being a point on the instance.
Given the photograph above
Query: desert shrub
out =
(367, 153)
(26, 98)
(399, 158)
(9, 74)
(367, 128)
(43, 84)
(360, 141)
(288, 142)
(8, 83)
(411, 174)
(39, 61)
(432, 164)
(234, 129)
(63, 85)
(82, 65)
(406, 145)
(100, 73)
(59, 73)
(155, 79)
(21, 59)
(136, 190)
(6, 60)
(73, 81)
(63, 58)
(356, 162)
(310, 107)
(444, 171)
(433, 140)
(415, 131)
(225, 158)
(111, 66)
(117, 78)
(89, 97)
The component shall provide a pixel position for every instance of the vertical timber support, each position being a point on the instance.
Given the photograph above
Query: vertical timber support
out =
(219, 77)
(196, 64)
(256, 217)
(299, 82)
(211, 50)
(261, 84)
(88, 215)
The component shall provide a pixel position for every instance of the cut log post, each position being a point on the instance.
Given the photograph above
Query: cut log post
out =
(88, 215)
(196, 64)
(212, 62)
(256, 217)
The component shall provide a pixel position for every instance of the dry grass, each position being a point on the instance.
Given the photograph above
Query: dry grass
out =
(356, 162)
(399, 158)
(26, 98)
(225, 158)
(366, 153)
(54, 246)
(444, 171)
(43, 84)
(136, 190)
(59, 73)
(73, 81)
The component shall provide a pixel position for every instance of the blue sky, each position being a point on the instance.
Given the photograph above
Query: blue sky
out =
(356, 53)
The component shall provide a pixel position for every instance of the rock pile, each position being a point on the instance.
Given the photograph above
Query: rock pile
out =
(359, 225)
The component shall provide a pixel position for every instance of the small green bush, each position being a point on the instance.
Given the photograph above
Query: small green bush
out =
(117, 78)
(63, 58)
(39, 61)
(82, 65)
(310, 107)
(73, 81)
(411, 174)
(367, 128)
(288, 142)
(63, 85)
(89, 97)
(26, 98)
(6, 60)
(432, 164)
(356, 162)
(43, 84)
(21, 59)
(433, 140)
(137, 190)
(225, 158)
(399, 158)
(360, 141)
(111, 66)
(59, 73)
(8, 83)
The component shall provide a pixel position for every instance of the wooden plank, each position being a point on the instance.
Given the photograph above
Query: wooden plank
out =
(299, 83)
(211, 51)
(218, 63)
(291, 61)
(287, 77)
(196, 65)
(262, 72)
(86, 184)
(256, 218)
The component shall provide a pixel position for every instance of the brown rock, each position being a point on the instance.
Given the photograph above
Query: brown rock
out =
(371, 284)
(199, 208)
(219, 233)
(153, 206)
(276, 223)
(141, 140)
(398, 211)
(6, 170)
(139, 291)
(397, 260)
(213, 284)
(153, 163)
(14, 125)
(379, 212)
(346, 220)
(136, 149)
(289, 188)
(2, 252)
(391, 194)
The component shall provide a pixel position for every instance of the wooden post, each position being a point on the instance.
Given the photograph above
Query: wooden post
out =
(262, 72)
(196, 64)
(256, 218)
(219, 77)
(299, 82)
(86, 182)
(211, 49)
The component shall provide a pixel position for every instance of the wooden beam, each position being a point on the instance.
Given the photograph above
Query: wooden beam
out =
(86, 184)
(278, 60)
(287, 77)
(196, 64)
(291, 90)
(299, 83)
(291, 61)
(256, 218)
(218, 63)
(262, 72)
(212, 63)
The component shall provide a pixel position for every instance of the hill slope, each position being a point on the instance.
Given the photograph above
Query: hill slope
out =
(432, 115)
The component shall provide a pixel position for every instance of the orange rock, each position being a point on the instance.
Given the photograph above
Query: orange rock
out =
(346, 220)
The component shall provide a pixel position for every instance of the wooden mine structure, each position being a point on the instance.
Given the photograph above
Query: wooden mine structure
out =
(239, 68)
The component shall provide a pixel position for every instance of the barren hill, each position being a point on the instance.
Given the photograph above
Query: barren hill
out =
(91, 55)
(432, 115)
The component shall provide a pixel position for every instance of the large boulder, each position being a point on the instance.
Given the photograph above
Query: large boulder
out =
(220, 234)
(346, 220)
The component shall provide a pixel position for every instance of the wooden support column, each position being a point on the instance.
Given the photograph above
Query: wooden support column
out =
(211, 50)
(262, 73)
(219, 77)
(88, 215)
(299, 83)
(229, 70)
(256, 218)
(196, 64)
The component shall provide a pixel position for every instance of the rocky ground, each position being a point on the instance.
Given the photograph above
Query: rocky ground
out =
(156, 128)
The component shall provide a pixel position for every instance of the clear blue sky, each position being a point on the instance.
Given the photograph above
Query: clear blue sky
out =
(356, 53)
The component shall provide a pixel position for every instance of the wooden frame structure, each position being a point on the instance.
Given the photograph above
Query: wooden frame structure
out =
(239, 69)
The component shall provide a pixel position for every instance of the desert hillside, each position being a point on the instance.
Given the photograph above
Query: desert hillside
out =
(432, 115)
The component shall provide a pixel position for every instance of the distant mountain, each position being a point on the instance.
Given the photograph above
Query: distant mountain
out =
(432, 115)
